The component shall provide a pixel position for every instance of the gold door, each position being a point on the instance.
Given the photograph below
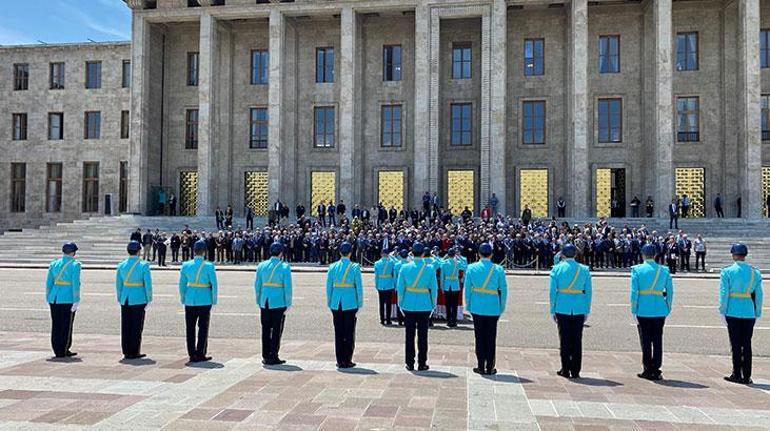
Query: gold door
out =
(255, 191)
(533, 191)
(390, 189)
(603, 192)
(323, 187)
(188, 193)
(461, 186)
(765, 189)
(692, 182)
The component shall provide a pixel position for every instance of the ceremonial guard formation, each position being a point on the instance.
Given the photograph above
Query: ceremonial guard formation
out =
(344, 297)
(274, 294)
(385, 283)
(417, 291)
(62, 291)
(133, 284)
(198, 293)
(450, 283)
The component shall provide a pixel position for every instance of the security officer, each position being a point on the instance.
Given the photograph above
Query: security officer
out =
(274, 293)
(133, 284)
(570, 298)
(652, 294)
(198, 293)
(740, 303)
(62, 291)
(385, 283)
(403, 255)
(486, 292)
(450, 283)
(344, 296)
(417, 295)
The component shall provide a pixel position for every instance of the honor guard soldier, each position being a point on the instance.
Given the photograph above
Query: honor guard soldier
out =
(450, 283)
(570, 299)
(274, 293)
(385, 283)
(133, 284)
(652, 294)
(486, 293)
(198, 293)
(62, 291)
(344, 296)
(417, 291)
(740, 302)
(402, 260)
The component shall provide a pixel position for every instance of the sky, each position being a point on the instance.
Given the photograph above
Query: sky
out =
(60, 21)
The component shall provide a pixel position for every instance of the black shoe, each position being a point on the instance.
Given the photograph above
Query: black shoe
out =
(70, 354)
(478, 371)
(340, 365)
(575, 375)
(423, 367)
(409, 367)
(491, 371)
(733, 379)
(278, 361)
(389, 323)
(563, 373)
(748, 382)
(351, 365)
(201, 359)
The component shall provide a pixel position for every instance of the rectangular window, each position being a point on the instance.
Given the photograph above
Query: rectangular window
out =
(391, 63)
(126, 75)
(55, 126)
(260, 67)
(20, 127)
(687, 51)
(461, 124)
(123, 189)
(21, 76)
(193, 64)
(191, 129)
(687, 119)
(609, 54)
(764, 48)
(90, 187)
(92, 125)
(610, 120)
(533, 118)
(765, 117)
(53, 187)
(93, 74)
(534, 57)
(124, 124)
(324, 65)
(324, 127)
(258, 126)
(461, 61)
(18, 187)
(391, 126)
(57, 76)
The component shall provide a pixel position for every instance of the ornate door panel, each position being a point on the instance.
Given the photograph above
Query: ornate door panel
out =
(603, 192)
(390, 189)
(323, 187)
(692, 182)
(765, 189)
(533, 191)
(255, 191)
(188, 193)
(461, 188)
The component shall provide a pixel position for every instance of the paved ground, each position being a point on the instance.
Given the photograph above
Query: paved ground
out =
(235, 392)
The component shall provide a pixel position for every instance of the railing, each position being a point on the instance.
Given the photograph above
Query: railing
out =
(688, 136)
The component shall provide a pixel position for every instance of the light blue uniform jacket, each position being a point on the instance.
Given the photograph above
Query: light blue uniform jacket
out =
(133, 282)
(417, 287)
(198, 283)
(62, 286)
(652, 290)
(273, 284)
(574, 300)
(343, 286)
(385, 273)
(740, 291)
(486, 290)
(450, 273)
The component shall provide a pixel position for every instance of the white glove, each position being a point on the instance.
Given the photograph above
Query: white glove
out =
(724, 319)
(553, 317)
(635, 318)
(585, 319)
(75, 306)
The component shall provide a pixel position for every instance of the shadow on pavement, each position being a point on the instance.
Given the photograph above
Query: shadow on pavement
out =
(506, 378)
(206, 365)
(762, 386)
(70, 360)
(589, 381)
(357, 370)
(435, 374)
(680, 384)
(456, 328)
(137, 362)
(283, 367)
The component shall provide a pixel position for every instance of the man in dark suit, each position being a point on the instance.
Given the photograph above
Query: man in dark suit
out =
(718, 206)
(673, 215)
(321, 213)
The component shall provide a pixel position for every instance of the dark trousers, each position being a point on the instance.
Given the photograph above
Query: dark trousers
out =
(416, 321)
(651, 338)
(131, 327)
(386, 305)
(272, 320)
(62, 319)
(174, 254)
(200, 316)
(685, 262)
(700, 256)
(740, 331)
(673, 221)
(452, 300)
(571, 342)
(344, 334)
(249, 222)
(485, 330)
(719, 211)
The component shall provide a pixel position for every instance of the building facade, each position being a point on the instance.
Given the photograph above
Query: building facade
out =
(245, 102)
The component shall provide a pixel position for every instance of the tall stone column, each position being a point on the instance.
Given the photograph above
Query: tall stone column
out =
(348, 189)
(577, 156)
(140, 94)
(663, 106)
(749, 133)
(496, 87)
(275, 97)
(422, 90)
(207, 124)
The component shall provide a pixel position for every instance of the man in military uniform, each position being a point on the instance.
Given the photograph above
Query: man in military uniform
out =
(62, 291)
(385, 283)
(344, 296)
(486, 293)
(403, 260)
(274, 294)
(450, 283)
(417, 295)
(198, 293)
(652, 294)
(570, 299)
(133, 284)
(740, 303)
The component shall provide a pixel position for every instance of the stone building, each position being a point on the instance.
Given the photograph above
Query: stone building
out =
(244, 102)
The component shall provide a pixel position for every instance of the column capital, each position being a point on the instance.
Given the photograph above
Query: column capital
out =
(135, 4)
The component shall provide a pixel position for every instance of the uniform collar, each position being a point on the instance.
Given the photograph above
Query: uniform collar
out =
(198, 258)
(344, 259)
(274, 259)
(66, 258)
(650, 260)
(741, 262)
(418, 259)
(133, 257)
